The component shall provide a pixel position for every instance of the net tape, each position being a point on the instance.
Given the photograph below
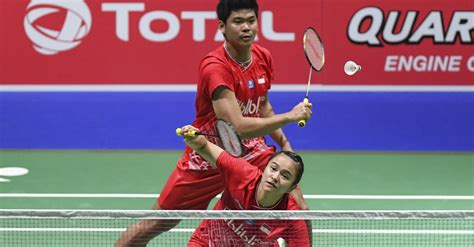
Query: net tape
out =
(238, 214)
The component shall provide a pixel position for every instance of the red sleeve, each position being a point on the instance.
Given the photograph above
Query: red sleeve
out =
(267, 59)
(298, 230)
(298, 234)
(214, 75)
(270, 72)
(292, 205)
(236, 171)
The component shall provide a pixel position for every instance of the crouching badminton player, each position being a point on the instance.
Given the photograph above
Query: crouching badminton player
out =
(248, 188)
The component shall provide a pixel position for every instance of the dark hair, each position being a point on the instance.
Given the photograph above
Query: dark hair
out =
(225, 7)
(297, 159)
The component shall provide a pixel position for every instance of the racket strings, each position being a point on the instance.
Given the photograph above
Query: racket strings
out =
(314, 52)
(314, 49)
(229, 138)
(232, 144)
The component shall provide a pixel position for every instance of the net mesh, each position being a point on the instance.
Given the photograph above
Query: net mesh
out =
(329, 228)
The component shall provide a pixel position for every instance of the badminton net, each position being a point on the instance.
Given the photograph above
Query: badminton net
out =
(330, 228)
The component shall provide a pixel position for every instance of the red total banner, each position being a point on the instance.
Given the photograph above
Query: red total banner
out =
(402, 42)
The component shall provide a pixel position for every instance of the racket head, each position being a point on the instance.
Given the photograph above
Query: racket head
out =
(229, 138)
(313, 49)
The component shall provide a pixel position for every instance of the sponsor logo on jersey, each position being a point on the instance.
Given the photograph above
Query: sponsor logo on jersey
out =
(251, 84)
(238, 228)
(240, 231)
(251, 107)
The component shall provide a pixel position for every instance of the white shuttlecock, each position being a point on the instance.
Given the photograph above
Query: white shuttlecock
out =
(351, 67)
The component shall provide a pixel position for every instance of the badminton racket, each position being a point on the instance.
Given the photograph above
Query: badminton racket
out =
(314, 53)
(229, 139)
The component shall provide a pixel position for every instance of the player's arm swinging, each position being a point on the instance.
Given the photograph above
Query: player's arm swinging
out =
(226, 107)
(201, 145)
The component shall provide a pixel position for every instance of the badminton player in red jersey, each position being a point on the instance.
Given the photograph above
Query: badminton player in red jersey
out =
(248, 188)
(233, 83)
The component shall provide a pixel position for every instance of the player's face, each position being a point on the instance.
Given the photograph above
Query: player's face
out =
(279, 174)
(240, 28)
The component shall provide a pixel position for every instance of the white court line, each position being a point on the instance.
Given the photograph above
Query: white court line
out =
(337, 231)
(192, 88)
(379, 231)
(316, 197)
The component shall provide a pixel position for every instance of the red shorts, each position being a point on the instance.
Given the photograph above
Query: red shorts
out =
(194, 189)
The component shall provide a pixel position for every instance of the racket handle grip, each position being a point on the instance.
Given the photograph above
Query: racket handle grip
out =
(302, 122)
(192, 133)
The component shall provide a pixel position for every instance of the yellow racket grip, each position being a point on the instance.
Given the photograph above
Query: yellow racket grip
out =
(302, 122)
(179, 132)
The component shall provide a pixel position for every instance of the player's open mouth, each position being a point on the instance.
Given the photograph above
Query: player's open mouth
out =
(271, 184)
(246, 37)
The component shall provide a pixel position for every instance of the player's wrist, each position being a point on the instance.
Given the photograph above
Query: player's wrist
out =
(202, 146)
(197, 143)
(289, 117)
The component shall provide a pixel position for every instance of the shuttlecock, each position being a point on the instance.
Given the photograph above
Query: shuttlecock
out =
(351, 67)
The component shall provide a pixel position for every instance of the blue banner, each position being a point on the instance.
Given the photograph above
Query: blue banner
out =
(358, 121)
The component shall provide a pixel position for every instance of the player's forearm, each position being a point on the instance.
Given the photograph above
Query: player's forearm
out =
(277, 135)
(280, 138)
(209, 151)
(226, 108)
(254, 127)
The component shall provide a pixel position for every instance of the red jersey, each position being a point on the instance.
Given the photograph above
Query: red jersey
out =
(250, 86)
(241, 181)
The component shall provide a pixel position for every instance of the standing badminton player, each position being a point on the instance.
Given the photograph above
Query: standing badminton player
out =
(233, 82)
(248, 188)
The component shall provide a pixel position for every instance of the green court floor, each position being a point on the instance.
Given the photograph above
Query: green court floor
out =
(135, 177)
(81, 179)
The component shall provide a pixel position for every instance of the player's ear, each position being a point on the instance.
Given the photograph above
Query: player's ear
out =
(222, 27)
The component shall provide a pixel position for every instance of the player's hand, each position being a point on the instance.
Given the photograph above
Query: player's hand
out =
(192, 140)
(301, 111)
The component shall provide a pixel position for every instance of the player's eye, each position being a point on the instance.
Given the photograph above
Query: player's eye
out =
(286, 176)
(238, 21)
